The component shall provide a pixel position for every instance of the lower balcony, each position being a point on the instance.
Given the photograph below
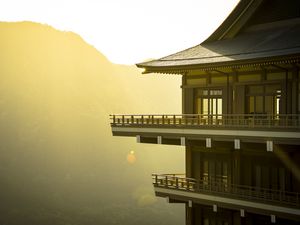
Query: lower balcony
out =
(220, 194)
(174, 129)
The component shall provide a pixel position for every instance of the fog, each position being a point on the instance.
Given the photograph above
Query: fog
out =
(59, 163)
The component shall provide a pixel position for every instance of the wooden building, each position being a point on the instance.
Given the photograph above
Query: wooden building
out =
(240, 119)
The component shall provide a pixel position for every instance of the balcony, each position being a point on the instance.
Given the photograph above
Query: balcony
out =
(232, 196)
(281, 128)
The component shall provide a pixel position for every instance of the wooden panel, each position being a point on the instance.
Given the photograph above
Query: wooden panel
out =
(188, 101)
(240, 99)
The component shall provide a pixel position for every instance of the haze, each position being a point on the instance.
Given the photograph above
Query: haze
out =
(127, 32)
(59, 163)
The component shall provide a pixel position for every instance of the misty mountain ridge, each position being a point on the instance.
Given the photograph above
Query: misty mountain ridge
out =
(59, 163)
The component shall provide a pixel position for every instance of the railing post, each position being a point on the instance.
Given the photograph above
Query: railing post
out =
(114, 119)
(132, 120)
(155, 178)
(166, 180)
(147, 120)
(176, 179)
(123, 120)
(174, 120)
(187, 184)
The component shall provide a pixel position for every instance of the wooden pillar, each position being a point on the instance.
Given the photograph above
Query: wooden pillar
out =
(236, 168)
(236, 218)
(240, 104)
(230, 96)
(295, 90)
(188, 161)
(284, 96)
(187, 98)
(183, 93)
(188, 215)
(233, 91)
(289, 97)
(226, 104)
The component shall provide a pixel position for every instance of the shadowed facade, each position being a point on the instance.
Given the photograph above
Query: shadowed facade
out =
(240, 121)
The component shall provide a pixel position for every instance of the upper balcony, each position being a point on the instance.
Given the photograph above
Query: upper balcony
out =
(174, 129)
(178, 188)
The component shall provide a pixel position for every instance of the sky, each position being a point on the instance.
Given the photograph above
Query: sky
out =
(126, 31)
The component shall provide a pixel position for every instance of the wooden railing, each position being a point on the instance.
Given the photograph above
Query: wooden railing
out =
(288, 121)
(244, 192)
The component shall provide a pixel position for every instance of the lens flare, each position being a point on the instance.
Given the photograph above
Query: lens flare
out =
(131, 157)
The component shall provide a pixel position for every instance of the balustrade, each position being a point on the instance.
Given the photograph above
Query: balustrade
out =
(204, 120)
(251, 193)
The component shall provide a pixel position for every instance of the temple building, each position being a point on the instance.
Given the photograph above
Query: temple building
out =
(240, 121)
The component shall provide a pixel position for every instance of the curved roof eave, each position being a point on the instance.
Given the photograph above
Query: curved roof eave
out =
(183, 69)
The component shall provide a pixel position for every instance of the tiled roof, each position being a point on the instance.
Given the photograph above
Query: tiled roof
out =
(259, 42)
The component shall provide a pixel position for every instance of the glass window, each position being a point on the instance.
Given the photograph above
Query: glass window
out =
(215, 92)
(205, 92)
(277, 104)
(205, 106)
(213, 106)
(219, 112)
(264, 98)
(208, 101)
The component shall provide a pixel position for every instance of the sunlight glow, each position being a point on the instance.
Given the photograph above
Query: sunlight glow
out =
(129, 31)
(131, 157)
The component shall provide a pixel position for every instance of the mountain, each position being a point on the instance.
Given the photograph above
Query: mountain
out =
(59, 163)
